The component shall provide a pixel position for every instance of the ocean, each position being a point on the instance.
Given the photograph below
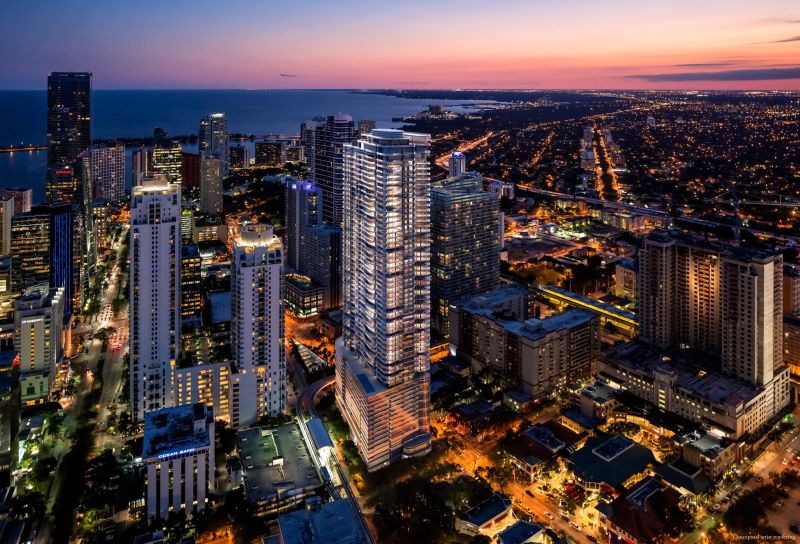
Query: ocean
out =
(132, 114)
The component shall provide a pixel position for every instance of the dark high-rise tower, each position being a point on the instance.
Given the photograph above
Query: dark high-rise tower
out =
(42, 243)
(329, 141)
(69, 116)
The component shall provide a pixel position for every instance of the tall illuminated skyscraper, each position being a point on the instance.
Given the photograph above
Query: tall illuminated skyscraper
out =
(168, 162)
(723, 300)
(214, 139)
(42, 245)
(108, 172)
(382, 357)
(330, 138)
(155, 309)
(465, 253)
(257, 334)
(211, 184)
(62, 183)
(69, 116)
(303, 208)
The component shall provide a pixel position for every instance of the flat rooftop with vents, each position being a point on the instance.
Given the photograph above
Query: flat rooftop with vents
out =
(277, 467)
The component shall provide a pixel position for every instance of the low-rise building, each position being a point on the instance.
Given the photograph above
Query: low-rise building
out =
(278, 470)
(486, 517)
(178, 452)
(522, 532)
(541, 443)
(640, 517)
(322, 523)
(610, 460)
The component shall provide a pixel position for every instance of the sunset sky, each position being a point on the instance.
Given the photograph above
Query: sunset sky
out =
(697, 44)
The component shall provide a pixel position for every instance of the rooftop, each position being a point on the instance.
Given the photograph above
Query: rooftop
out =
(711, 445)
(600, 392)
(536, 329)
(521, 532)
(220, 302)
(170, 431)
(487, 510)
(275, 461)
(693, 372)
(329, 523)
(641, 512)
(610, 459)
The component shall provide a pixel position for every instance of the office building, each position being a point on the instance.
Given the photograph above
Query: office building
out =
(155, 275)
(257, 334)
(168, 161)
(62, 185)
(141, 164)
(211, 171)
(30, 250)
(721, 300)
(321, 260)
(329, 141)
(239, 156)
(465, 254)
(101, 220)
(791, 290)
(23, 198)
(7, 294)
(69, 116)
(108, 172)
(42, 248)
(178, 451)
(457, 164)
(269, 153)
(6, 214)
(191, 285)
(303, 208)
(382, 357)
(190, 170)
(214, 139)
(538, 356)
(303, 297)
(38, 321)
(308, 139)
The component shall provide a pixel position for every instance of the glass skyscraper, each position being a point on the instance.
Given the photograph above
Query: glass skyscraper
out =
(328, 156)
(214, 139)
(69, 116)
(465, 258)
(382, 357)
